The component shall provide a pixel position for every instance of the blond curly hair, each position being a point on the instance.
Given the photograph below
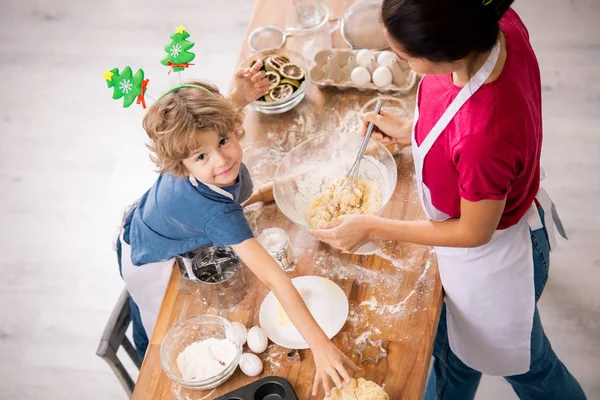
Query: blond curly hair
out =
(175, 124)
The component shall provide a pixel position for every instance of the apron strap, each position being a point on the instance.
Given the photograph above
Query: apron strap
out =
(465, 93)
(546, 203)
(187, 263)
(550, 210)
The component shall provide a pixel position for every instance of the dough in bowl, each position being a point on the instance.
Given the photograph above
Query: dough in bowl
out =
(342, 199)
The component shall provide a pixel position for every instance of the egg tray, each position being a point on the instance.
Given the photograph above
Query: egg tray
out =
(334, 66)
(269, 388)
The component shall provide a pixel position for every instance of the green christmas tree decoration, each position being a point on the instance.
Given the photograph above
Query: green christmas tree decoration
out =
(178, 57)
(125, 84)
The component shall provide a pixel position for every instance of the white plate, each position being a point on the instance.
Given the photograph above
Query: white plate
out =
(326, 301)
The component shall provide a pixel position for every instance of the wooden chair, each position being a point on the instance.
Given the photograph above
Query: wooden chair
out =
(114, 337)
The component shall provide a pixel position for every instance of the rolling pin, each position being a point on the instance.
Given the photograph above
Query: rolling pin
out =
(263, 194)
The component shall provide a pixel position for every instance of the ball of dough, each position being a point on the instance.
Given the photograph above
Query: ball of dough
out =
(363, 57)
(360, 76)
(382, 76)
(385, 58)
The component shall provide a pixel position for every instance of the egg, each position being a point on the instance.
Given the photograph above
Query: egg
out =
(363, 57)
(382, 76)
(257, 340)
(241, 332)
(360, 76)
(250, 364)
(385, 58)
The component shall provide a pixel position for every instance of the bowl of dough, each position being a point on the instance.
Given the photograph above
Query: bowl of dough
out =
(310, 187)
(201, 352)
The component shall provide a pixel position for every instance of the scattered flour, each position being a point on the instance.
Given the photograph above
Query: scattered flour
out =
(363, 336)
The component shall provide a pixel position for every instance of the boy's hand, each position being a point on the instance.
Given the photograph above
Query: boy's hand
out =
(250, 84)
(331, 366)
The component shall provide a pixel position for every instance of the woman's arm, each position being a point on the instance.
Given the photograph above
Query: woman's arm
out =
(474, 228)
(329, 361)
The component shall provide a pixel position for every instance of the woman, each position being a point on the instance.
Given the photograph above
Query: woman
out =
(476, 145)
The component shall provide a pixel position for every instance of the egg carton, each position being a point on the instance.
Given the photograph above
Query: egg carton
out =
(333, 68)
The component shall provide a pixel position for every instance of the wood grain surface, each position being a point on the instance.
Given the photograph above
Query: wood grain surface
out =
(395, 294)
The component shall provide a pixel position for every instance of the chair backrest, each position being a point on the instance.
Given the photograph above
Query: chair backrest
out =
(114, 337)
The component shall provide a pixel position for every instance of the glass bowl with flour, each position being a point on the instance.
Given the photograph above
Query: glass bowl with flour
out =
(309, 187)
(201, 352)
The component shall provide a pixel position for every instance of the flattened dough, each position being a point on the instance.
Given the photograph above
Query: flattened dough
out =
(359, 390)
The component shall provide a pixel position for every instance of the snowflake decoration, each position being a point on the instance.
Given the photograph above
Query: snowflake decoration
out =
(125, 86)
(175, 50)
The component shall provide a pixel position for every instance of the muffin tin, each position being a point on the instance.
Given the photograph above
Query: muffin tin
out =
(334, 66)
(269, 388)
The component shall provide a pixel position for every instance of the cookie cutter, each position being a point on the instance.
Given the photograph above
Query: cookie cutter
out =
(294, 357)
(361, 347)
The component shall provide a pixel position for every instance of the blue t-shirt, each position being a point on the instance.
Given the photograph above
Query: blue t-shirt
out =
(176, 216)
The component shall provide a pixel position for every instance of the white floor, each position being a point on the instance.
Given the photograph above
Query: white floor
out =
(71, 158)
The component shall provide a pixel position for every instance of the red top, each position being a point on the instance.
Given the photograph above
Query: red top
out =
(491, 148)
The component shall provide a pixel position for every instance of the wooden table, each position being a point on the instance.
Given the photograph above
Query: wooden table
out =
(395, 295)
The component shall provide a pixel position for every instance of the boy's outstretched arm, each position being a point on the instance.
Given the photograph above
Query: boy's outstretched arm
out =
(330, 362)
(250, 84)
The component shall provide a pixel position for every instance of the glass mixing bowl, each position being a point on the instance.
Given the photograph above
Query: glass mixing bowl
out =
(188, 331)
(306, 171)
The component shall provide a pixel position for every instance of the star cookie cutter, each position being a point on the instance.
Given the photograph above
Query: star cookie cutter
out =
(361, 347)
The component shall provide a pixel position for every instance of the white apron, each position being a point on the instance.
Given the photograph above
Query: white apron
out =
(489, 290)
(147, 283)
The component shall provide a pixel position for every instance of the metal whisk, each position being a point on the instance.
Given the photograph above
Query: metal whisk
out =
(352, 175)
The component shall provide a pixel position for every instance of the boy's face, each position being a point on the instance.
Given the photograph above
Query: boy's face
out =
(217, 161)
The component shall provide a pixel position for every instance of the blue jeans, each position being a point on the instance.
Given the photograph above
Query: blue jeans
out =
(140, 338)
(547, 379)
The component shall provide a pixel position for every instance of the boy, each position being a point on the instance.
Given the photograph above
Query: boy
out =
(195, 201)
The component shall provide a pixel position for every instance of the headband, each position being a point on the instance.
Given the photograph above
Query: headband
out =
(186, 85)
(132, 87)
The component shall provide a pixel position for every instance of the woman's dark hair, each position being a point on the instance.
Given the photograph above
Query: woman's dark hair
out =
(443, 30)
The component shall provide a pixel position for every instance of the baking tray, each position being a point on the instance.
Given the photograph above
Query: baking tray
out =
(269, 388)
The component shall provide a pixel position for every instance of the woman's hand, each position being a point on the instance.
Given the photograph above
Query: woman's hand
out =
(250, 84)
(331, 364)
(389, 128)
(347, 232)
